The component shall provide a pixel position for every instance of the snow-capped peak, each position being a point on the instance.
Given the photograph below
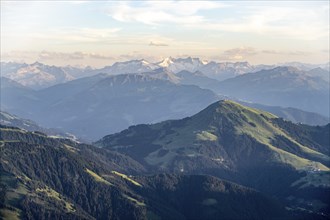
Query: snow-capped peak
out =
(38, 75)
(166, 62)
(144, 62)
(204, 62)
(179, 64)
(132, 66)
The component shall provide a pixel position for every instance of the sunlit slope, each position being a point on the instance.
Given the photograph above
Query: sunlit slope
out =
(225, 134)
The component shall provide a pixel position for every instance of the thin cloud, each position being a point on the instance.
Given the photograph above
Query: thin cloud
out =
(67, 34)
(137, 55)
(292, 53)
(18, 56)
(280, 20)
(100, 56)
(239, 53)
(286, 22)
(271, 52)
(153, 13)
(79, 55)
(157, 44)
(48, 55)
(299, 53)
(76, 2)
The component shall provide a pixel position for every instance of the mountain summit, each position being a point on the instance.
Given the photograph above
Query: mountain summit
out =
(225, 134)
(176, 65)
(238, 143)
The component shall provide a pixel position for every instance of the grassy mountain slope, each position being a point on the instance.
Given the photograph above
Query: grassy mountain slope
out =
(217, 134)
(48, 178)
(239, 143)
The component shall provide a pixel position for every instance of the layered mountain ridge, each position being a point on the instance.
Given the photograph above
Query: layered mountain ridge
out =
(39, 76)
(111, 100)
(282, 86)
(106, 103)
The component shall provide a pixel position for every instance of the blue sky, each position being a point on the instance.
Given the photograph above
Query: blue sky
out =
(102, 32)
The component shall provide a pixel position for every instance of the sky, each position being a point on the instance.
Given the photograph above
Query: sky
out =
(99, 33)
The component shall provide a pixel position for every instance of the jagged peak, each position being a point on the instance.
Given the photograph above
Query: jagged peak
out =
(166, 62)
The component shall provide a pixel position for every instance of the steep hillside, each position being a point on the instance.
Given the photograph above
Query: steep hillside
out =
(222, 124)
(52, 178)
(45, 178)
(231, 141)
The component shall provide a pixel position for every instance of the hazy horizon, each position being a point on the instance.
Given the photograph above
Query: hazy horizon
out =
(103, 32)
(111, 62)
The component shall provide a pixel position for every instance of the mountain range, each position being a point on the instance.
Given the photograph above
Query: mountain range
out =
(281, 86)
(36, 75)
(110, 103)
(245, 145)
(214, 137)
(227, 161)
(39, 76)
(106, 103)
